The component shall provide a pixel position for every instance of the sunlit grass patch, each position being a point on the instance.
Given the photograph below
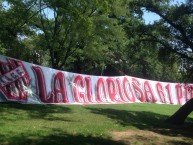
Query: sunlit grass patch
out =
(25, 124)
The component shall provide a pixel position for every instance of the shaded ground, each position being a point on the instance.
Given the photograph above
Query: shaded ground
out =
(60, 139)
(91, 125)
(145, 137)
(150, 128)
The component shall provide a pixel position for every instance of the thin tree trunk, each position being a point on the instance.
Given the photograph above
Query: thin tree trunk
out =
(179, 116)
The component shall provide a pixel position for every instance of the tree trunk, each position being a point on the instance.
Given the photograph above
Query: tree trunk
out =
(179, 116)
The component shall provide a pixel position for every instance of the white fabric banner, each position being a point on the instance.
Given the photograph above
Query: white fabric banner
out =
(29, 83)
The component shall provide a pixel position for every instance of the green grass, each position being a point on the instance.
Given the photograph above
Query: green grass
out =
(24, 124)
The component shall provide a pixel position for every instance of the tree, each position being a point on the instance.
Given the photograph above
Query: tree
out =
(174, 31)
(70, 29)
(92, 37)
(16, 17)
(128, 52)
(70, 32)
(180, 115)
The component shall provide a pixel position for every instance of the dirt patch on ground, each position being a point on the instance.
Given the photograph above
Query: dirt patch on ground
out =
(144, 137)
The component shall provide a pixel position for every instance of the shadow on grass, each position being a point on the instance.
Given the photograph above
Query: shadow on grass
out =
(34, 111)
(146, 121)
(59, 138)
(179, 143)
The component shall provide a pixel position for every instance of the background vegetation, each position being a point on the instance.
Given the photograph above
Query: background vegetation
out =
(97, 37)
(108, 37)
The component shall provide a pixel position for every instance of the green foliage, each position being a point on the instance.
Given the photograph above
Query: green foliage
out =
(2, 50)
(173, 32)
(70, 30)
(15, 25)
(100, 37)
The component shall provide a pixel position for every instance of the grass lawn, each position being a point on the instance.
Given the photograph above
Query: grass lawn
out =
(118, 124)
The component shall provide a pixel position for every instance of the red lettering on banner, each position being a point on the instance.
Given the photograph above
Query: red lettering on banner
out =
(101, 91)
(168, 89)
(14, 80)
(188, 92)
(160, 92)
(8, 79)
(82, 90)
(191, 91)
(89, 90)
(79, 90)
(150, 97)
(60, 88)
(138, 90)
(19, 72)
(112, 89)
(14, 75)
(2, 81)
(11, 76)
(25, 79)
(15, 86)
(128, 90)
(42, 86)
(179, 93)
(58, 95)
(21, 88)
(120, 88)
